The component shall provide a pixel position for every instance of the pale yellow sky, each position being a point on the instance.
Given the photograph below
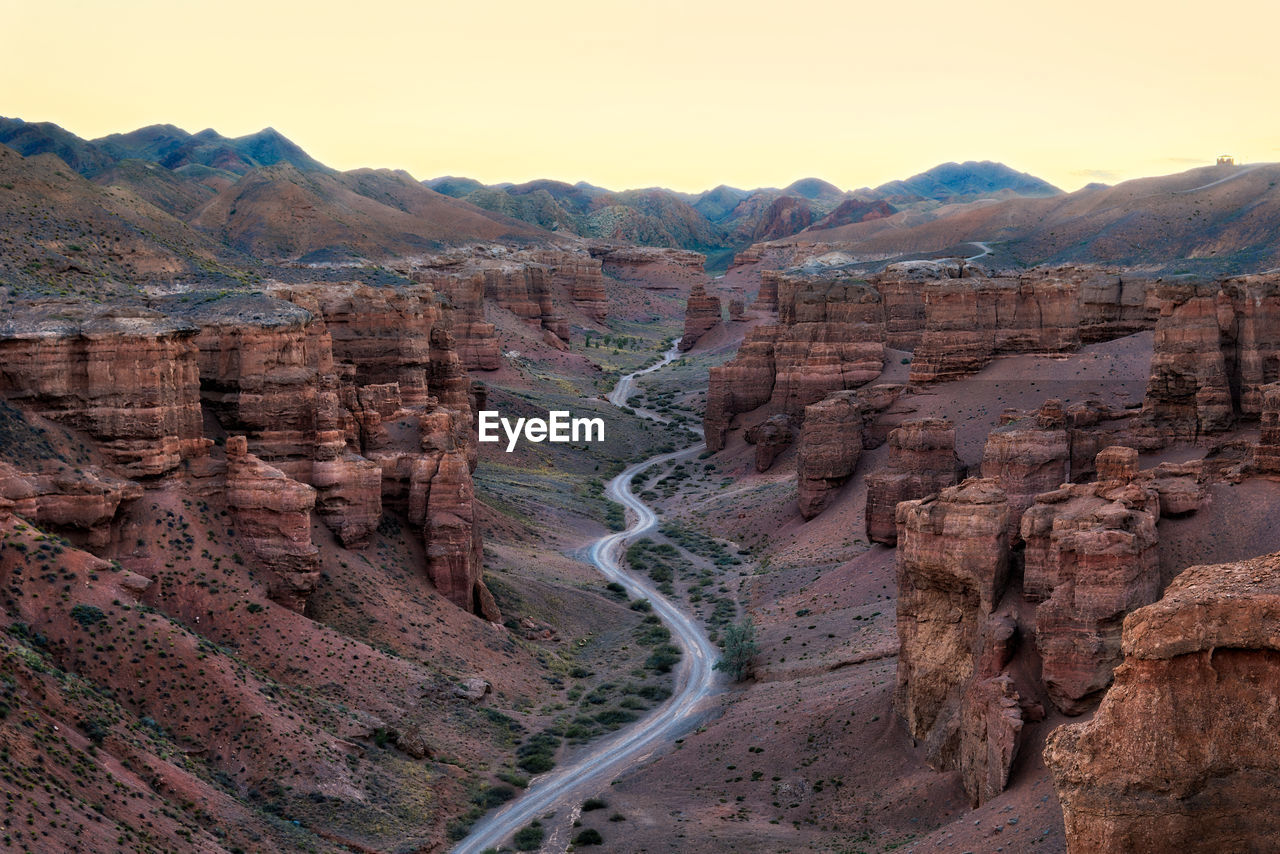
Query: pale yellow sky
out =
(675, 93)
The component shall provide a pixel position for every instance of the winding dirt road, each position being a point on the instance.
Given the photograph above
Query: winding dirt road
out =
(695, 679)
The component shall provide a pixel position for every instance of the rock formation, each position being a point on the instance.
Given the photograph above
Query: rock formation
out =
(1184, 752)
(1267, 455)
(477, 338)
(830, 445)
(767, 297)
(1216, 347)
(272, 514)
(701, 313)
(1189, 392)
(953, 565)
(127, 377)
(80, 500)
(771, 437)
(970, 320)
(922, 461)
(1028, 456)
(651, 267)
(829, 337)
(1090, 559)
(581, 277)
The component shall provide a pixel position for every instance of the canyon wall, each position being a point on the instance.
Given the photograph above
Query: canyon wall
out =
(984, 647)
(1184, 752)
(1216, 347)
(701, 314)
(128, 377)
(922, 461)
(829, 337)
(952, 314)
(830, 445)
(339, 400)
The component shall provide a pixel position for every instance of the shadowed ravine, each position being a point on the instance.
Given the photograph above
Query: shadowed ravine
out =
(695, 679)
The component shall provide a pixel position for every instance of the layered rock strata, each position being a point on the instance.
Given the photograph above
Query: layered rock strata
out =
(1184, 752)
(953, 565)
(770, 437)
(701, 314)
(272, 514)
(1028, 456)
(922, 461)
(1091, 557)
(1267, 455)
(830, 445)
(970, 320)
(1216, 348)
(127, 377)
(829, 337)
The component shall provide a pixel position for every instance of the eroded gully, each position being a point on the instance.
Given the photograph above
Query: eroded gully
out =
(695, 678)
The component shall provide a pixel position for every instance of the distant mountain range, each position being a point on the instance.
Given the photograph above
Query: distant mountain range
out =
(727, 218)
(190, 203)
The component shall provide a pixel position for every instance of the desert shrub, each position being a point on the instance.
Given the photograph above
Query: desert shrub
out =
(87, 615)
(740, 650)
(528, 838)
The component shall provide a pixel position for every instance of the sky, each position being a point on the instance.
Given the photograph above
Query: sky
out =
(676, 93)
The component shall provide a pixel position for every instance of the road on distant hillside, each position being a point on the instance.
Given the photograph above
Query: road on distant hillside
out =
(695, 678)
(986, 250)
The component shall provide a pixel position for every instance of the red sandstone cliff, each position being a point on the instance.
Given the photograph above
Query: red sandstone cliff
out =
(701, 313)
(829, 337)
(1184, 752)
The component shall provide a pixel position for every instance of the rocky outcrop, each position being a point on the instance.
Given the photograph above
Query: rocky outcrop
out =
(767, 297)
(1267, 455)
(1091, 557)
(127, 377)
(1189, 392)
(922, 461)
(1113, 304)
(272, 514)
(1216, 347)
(81, 500)
(830, 445)
(1028, 456)
(771, 437)
(441, 499)
(991, 721)
(580, 276)
(829, 337)
(737, 309)
(361, 393)
(971, 319)
(651, 267)
(525, 291)
(477, 338)
(1184, 752)
(261, 363)
(701, 314)
(952, 568)
(902, 288)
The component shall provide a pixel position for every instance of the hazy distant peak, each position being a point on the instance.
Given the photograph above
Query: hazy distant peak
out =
(814, 188)
(971, 179)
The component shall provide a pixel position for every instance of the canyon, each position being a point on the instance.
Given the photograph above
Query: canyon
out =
(268, 586)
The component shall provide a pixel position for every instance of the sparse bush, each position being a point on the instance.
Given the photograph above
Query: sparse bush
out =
(740, 650)
(87, 615)
(590, 836)
(528, 838)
